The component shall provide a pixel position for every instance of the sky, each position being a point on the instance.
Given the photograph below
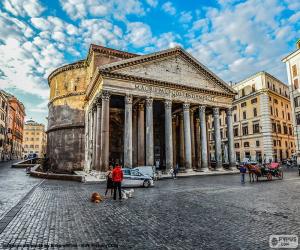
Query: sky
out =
(233, 38)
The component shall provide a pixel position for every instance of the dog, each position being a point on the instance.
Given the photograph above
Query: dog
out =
(127, 194)
(96, 198)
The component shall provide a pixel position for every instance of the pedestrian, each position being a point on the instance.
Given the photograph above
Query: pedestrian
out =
(117, 177)
(298, 162)
(109, 181)
(176, 171)
(243, 171)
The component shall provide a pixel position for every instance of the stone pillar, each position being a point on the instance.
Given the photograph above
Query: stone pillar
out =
(198, 145)
(174, 141)
(105, 132)
(134, 138)
(193, 139)
(181, 145)
(149, 133)
(98, 136)
(141, 135)
(128, 132)
(231, 153)
(94, 137)
(218, 141)
(168, 135)
(204, 156)
(187, 136)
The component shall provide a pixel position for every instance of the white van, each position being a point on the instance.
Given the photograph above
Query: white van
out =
(147, 170)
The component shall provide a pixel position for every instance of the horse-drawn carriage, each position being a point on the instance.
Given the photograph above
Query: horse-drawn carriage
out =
(267, 170)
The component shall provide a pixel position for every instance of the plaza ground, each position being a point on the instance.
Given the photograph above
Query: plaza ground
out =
(213, 212)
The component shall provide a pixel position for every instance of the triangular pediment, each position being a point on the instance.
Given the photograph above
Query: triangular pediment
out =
(173, 66)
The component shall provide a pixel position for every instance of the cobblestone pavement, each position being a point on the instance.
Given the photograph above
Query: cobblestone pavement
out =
(14, 185)
(215, 212)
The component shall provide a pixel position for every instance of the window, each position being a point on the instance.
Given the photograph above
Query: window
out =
(286, 144)
(296, 84)
(290, 131)
(291, 144)
(236, 131)
(221, 132)
(271, 110)
(237, 145)
(234, 117)
(36, 146)
(253, 87)
(285, 130)
(294, 70)
(268, 84)
(243, 92)
(276, 112)
(254, 101)
(289, 117)
(283, 114)
(245, 129)
(257, 144)
(274, 87)
(278, 128)
(243, 104)
(246, 144)
(244, 115)
(234, 108)
(275, 101)
(254, 112)
(31, 146)
(297, 101)
(270, 98)
(255, 128)
(274, 143)
(37, 139)
(273, 127)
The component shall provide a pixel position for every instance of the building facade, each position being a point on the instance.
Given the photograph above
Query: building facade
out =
(292, 62)
(135, 110)
(34, 139)
(3, 126)
(15, 126)
(262, 120)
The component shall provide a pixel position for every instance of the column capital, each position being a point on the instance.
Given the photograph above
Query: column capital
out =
(202, 109)
(229, 111)
(128, 99)
(105, 95)
(149, 102)
(168, 104)
(141, 106)
(216, 111)
(186, 106)
(197, 120)
(98, 103)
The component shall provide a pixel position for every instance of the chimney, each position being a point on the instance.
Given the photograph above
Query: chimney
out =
(298, 44)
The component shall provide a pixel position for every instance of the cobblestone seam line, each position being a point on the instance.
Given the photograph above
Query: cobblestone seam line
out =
(14, 211)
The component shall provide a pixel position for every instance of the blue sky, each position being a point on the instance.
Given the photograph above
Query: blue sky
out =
(233, 38)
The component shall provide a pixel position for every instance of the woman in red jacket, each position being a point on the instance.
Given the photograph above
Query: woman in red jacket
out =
(117, 177)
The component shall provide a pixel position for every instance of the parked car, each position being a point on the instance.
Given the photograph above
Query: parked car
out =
(134, 178)
(147, 170)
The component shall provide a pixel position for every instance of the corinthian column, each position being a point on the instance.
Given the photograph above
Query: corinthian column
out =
(149, 132)
(128, 132)
(181, 145)
(174, 140)
(187, 136)
(98, 136)
(94, 114)
(217, 132)
(168, 134)
(231, 153)
(192, 138)
(204, 156)
(141, 135)
(134, 138)
(105, 132)
(198, 145)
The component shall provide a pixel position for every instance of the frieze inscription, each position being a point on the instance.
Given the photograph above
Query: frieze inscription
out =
(173, 93)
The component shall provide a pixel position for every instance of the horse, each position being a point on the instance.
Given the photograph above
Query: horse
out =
(253, 170)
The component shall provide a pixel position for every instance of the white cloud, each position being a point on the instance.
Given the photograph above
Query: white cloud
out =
(185, 17)
(31, 8)
(169, 8)
(152, 3)
(139, 34)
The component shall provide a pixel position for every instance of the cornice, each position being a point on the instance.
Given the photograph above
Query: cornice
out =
(75, 65)
(64, 127)
(113, 75)
(66, 96)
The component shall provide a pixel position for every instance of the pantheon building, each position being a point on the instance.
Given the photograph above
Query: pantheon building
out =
(136, 110)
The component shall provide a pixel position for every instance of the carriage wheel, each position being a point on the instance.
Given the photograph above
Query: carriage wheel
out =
(269, 176)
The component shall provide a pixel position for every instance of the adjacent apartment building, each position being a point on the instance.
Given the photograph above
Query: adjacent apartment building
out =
(14, 127)
(34, 141)
(292, 62)
(263, 127)
(3, 125)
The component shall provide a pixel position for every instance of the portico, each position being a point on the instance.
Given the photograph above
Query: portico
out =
(152, 110)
